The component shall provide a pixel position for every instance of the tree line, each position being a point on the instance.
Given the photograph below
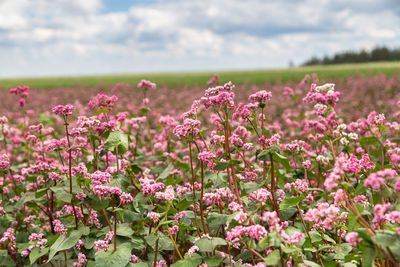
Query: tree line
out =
(376, 54)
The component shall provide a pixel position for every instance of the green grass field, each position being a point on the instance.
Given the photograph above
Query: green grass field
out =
(200, 78)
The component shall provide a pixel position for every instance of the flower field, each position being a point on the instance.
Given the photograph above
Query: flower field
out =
(284, 174)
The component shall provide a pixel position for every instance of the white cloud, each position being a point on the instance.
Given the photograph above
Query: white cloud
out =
(40, 37)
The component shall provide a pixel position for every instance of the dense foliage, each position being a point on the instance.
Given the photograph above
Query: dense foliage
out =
(223, 184)
(363, 56)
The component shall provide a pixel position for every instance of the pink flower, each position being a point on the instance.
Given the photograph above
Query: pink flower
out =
(261, 97)
(59, 227)
(192, 250)
(125, 198)
(63, 110)
(146, 84)
(352, 238)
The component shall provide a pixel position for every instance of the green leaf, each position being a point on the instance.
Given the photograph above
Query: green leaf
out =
(289, 202)
(61, 194)
(311, 263)
(116, 139)
(220, 166)
(265, 154)
(369, 255)
(195, 260)
(251, 187)
(41, 192)
(165, 173)
(124, 230)
(208, 245)
(273, 258)
(64, 243)
(281, 159)
(315, 236)
(36, 253)
(29, 196)
(119, 258)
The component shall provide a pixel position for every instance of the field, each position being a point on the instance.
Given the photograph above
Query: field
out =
(170, 80)
(296, 167)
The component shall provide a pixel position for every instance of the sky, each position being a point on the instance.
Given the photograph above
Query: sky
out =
(75, 37)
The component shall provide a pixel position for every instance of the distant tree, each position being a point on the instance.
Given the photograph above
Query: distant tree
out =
(376, 54)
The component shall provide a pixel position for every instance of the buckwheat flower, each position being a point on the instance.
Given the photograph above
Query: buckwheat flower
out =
(362, 200)
(161, 263)
(180, 215)
(341, 127)
(109, 237)
(264, 141)
(192, 250)
(24, 253)
(189, 127)
(213, 80)
(153, 216)
(63, 110)
(125, 198)
(376, 180)
(168, 194)
(397, 185)
(79, 244)
(344, 141)
(59, 227)
(81, 261)
(393, 216)
(261, 195)
(306, 164)
(241, 216)
(322, 159)
(366, 163)
(320, 109)
(81, 196)
(260, 97)
(293, 239)
(101, 245)
(174, 229)
(134, 259)
(4, 162)
(55, 177)
(100, 178)
(352, 238)
(379, 214)
(327, 88)
(146, 84)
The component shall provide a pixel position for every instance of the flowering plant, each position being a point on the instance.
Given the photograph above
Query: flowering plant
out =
(222, 185)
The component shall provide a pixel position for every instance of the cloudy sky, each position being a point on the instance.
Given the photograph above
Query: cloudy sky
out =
(69, 37)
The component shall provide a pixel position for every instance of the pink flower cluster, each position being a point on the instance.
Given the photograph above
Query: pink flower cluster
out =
(352, 238)
(255, 232)
(146, 84)
(325, 216)
(149, 186)
(103, 101)
(22, 91)
(376, 180)
(105, 192)
(168, 194)
(63, 110)
(59, 227)
(125, 198)
(324, 94)
(104, 244)
(4, 162)
(189, 127)
(213, 80)
(261, 97)
(100, 178)
(81, 261)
